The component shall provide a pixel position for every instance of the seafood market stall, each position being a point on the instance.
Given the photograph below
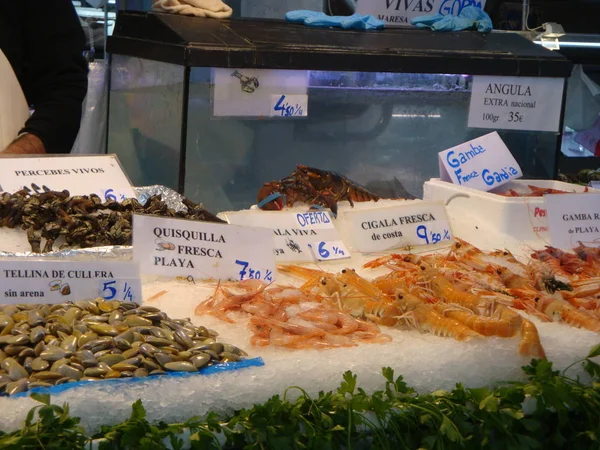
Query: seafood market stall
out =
(298, 307)
(194, 346)
(194, 103)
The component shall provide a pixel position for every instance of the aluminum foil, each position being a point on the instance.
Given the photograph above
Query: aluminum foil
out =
(173, 200)
(121, 252)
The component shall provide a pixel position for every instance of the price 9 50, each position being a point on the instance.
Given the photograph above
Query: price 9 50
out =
(432, 237)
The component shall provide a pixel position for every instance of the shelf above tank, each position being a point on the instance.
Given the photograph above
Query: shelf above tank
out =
(273, 44)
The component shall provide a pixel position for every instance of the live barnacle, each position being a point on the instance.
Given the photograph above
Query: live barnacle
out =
(84, 221)
(314, 187)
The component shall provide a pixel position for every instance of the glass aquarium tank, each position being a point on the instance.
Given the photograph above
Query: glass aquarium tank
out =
(194, 103)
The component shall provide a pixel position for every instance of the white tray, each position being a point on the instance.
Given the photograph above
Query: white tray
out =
(481, 217)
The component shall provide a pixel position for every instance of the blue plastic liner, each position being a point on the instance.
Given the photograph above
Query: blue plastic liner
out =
(210, 370)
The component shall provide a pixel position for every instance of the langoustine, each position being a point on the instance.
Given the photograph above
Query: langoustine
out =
(418, 294)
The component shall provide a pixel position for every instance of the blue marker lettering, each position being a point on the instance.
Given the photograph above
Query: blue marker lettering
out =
(455, 7)
(312, 218)
(488, 178)
(452, 162)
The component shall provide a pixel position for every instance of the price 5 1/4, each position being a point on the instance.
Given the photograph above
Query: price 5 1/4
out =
(431, 237)
(110, 292)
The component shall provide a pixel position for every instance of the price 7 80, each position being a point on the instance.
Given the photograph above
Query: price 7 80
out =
(248, 272)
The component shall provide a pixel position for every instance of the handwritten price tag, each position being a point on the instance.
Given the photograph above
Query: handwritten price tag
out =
(431, 236)
(112, 195)
(293, 231)
(121, 289)
(243, 92)
(385, 228)
(190, 250)
(249, 273)
(483, 163)
(325, 251)
(289, 105)
(59, 281)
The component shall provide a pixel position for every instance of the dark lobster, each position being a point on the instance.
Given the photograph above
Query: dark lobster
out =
(314, 187)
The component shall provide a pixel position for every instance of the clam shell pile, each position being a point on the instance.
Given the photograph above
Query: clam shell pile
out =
(48, 345)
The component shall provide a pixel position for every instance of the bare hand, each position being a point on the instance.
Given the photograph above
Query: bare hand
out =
(28, 144)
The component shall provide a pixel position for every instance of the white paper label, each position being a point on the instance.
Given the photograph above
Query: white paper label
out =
(201, 250)
(401, 12)
(283, 105)
(293, 231)
(80, 175)
(573, 218)
(483, 163)
(415, 224)
(516, 103)
(60, 281)
(249, 92)
(327, 251)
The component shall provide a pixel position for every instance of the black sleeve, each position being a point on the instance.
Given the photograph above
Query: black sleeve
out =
(54, 77)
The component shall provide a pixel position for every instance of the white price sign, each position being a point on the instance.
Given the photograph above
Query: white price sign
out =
(59, 281)
(516, 103)
(289, 105)
(202, 250)
(327, 251)
(483, 163)
(401, 12)
(573, 218)
(251, 92)
(80, 175)
(416, 223)
(294, 232)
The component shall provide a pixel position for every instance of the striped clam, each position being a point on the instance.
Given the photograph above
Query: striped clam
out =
(90, 340)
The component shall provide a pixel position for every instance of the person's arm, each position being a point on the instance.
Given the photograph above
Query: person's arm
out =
(26, 144)
(54, 76)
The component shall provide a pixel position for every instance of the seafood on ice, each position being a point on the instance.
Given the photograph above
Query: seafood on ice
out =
(466, 294)
(416, 294)
(91, 340)
(484, 289)
(285, 316)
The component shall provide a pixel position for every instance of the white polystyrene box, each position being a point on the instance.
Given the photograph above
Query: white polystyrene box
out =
(481, 217)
